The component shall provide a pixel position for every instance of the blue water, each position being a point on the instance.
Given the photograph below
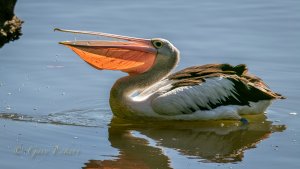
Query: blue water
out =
(50, 97)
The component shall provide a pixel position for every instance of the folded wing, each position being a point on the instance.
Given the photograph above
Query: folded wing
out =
(210, 86)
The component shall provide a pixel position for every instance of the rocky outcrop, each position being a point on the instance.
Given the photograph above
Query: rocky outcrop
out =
(10, 25)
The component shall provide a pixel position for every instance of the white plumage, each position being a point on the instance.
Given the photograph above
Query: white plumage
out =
(182, 99)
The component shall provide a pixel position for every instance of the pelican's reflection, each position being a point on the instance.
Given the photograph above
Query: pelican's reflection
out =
(142, 145)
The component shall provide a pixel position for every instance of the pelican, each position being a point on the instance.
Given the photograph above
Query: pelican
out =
(207, 92)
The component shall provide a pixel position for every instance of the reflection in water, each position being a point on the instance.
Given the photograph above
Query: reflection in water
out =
(141, 145)
(10, 25)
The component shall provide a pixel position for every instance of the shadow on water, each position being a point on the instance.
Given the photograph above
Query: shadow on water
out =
(142, 145)
(10, 25)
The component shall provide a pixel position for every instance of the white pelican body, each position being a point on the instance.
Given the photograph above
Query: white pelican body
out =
(208, 92)
(191, 103)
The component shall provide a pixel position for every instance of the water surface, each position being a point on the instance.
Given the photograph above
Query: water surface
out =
(54, 110)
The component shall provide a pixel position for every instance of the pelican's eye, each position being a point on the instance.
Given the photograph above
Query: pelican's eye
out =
(157, 43)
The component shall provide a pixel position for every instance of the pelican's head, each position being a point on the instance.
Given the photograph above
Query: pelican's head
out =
(131, 55)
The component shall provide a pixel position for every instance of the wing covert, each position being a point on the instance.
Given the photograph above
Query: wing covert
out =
(205, 96)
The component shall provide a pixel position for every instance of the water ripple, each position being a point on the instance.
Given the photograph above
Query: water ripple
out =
(87, 117)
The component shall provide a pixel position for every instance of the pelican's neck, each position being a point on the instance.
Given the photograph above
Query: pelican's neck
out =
(125, 86)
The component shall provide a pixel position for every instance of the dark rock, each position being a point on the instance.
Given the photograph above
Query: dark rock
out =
(10, 25)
